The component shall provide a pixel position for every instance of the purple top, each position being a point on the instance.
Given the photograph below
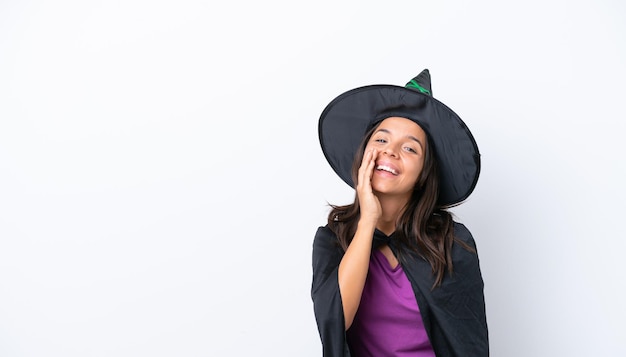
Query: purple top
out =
(388, 321)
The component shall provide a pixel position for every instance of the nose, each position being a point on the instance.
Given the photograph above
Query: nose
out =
(390, 150)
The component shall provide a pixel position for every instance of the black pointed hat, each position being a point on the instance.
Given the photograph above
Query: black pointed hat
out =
(347, 118)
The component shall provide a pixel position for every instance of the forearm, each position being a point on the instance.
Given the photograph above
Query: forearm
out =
(353, 270)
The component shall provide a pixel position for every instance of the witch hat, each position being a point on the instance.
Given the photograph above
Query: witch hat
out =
(346, 119)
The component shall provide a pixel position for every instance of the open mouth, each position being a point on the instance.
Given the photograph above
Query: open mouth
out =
(387, 169)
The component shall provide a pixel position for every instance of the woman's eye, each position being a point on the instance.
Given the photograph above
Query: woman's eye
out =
(410, 149)
(380, 140)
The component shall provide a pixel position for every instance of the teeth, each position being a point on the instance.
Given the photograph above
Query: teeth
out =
(386, 168)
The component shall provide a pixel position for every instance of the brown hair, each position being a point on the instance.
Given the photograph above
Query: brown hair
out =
(425, 227)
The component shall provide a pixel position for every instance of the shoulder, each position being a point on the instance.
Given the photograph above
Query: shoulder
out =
(463, 234)
(324, 235)
(461, 255)
(324, 231)
(325, 240)
(327, 251)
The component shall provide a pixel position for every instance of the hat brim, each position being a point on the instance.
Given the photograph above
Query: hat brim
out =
(346, 119)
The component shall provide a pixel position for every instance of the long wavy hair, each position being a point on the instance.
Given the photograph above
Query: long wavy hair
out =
(424, 227)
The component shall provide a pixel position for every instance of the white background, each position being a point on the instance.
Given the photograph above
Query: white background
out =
(161, 178)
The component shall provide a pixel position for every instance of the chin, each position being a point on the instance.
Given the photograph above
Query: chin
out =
(384, 189)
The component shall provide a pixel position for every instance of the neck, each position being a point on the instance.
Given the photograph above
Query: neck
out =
(392, 208)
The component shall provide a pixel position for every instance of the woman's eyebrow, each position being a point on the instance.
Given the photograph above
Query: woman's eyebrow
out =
(383, 130)
(416, 139)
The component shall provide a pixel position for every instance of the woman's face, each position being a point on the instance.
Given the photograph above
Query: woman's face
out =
(401, 145)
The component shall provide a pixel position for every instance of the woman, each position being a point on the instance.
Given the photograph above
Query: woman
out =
(393, 274)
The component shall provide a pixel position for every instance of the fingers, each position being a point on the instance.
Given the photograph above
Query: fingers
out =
(367, 168)
(370, 206)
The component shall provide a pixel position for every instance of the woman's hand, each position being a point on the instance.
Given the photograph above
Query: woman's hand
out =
(354, 264)
(370, 205)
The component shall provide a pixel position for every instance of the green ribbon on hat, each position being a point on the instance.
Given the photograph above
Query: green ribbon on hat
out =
(413, 84)
(421, 83)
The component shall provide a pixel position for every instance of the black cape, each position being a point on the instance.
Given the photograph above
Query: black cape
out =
(453, 313)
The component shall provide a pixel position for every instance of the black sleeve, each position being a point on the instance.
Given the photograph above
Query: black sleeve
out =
(453, 312)
(325, 293)
(461, 303)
